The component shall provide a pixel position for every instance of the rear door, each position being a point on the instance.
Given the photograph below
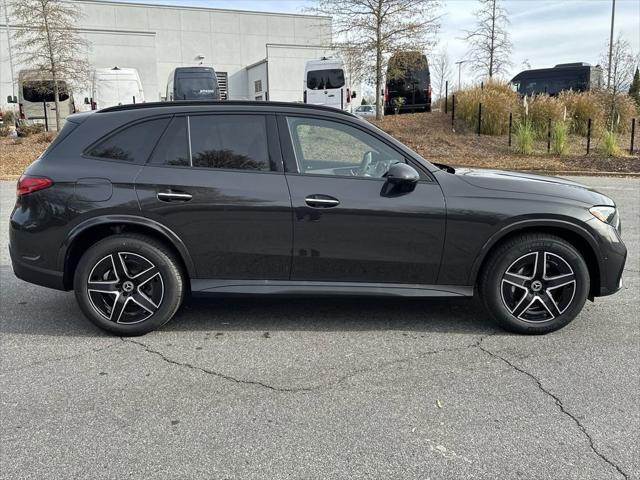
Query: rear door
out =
(216, 180)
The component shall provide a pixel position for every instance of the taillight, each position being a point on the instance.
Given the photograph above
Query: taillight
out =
(348, 95)
(21, 111)
(386, 94)
(27, 184)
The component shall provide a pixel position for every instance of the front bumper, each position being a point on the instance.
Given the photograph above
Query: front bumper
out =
(613, 255)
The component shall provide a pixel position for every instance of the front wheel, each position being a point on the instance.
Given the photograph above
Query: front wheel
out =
(129, 284)
(534, 284)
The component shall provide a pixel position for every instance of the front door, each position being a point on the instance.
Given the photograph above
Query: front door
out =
(216, 180)
(348, 225)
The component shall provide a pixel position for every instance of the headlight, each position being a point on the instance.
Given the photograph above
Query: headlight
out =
(606, 214)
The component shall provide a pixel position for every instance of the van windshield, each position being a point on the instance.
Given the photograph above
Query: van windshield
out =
(38, 91)
(196, 88)
(325, 79)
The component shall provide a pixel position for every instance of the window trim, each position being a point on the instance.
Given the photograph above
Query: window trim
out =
(290, 158)
(85, 153)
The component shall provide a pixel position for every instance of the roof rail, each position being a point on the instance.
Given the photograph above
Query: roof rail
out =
(201, 103)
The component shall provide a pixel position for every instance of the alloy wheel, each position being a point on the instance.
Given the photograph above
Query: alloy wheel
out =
(125, 288)
(538, 286)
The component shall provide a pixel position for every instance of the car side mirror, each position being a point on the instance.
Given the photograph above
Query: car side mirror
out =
(353, 94)
(11, 99)
(402, 176)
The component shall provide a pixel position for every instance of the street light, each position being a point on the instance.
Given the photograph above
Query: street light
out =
(459, 63)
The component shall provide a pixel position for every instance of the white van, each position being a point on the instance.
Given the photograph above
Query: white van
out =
(114, 86)
(325, 84)
(35, 94)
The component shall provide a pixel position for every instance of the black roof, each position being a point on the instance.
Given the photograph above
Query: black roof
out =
(222, 103)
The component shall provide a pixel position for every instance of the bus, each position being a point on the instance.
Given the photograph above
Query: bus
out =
(409, 79)
(579, 77)
(325, 84)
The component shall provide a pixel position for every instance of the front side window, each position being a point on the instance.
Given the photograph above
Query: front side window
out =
(237, 142)
(330, 148)
(325, 79)
(132, 144)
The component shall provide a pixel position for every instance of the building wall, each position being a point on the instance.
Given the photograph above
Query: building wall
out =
(155, 39)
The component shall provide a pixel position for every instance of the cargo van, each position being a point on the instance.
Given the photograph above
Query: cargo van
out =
(325, 84)
(114, 86)
(409, 79)
(192, 83)
(35, 93)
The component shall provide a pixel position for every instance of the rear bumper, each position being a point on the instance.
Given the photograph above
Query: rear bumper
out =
(34, 274)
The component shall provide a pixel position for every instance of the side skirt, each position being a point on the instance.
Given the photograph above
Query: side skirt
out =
(285, 287)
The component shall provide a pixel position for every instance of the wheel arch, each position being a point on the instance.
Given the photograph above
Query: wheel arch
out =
(90, 231)
(577, 236)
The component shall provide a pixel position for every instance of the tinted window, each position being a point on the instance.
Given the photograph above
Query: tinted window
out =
(173, 148)
(133, 144)
(331, 148)
(201, 87)
(325, 79)
(42, 91)
(229, 141)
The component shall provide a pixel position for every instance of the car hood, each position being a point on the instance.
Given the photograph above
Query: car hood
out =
(532, 184)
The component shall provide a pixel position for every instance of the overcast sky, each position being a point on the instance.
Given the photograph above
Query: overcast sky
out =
(544, 32)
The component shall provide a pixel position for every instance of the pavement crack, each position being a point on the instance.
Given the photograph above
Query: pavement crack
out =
(560, 406)
(208, 371)
(60, 359)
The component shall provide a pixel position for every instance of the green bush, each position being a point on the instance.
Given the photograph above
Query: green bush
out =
(609, 144)
(559, 138)
(524, 135)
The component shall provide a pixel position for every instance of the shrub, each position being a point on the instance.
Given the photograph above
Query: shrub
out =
(582, 106)
(559, 134)
(497, 99)
(25, 130)
(610, 144)
(8, 117)
(46, 137)
(543, 108)
(524, 137)
(624, 109)
(4, 131)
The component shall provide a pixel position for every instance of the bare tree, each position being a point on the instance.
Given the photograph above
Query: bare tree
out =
(489, 44)
(622, 65)
(46, 41)
(355, 64)
(619, 72)
(441, 70)
(377, 29)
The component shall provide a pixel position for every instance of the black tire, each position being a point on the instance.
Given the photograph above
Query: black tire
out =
(510, 282)
(144, 296)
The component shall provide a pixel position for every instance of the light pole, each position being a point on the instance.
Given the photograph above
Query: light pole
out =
(459, 63)
(613, 15)
(6, 19)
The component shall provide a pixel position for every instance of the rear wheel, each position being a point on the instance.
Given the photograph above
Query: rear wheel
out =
(534, 284)
(129, 284)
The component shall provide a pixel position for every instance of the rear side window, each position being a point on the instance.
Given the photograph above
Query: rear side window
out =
(133, 144)
(173, 148)
(237, 142)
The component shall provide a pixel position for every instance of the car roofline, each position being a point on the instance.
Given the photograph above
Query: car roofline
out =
(222, 103)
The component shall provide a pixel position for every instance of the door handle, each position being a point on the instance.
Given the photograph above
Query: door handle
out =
(321, 201)
(171, 196)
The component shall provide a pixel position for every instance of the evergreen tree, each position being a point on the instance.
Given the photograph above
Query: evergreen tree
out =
(634, 89)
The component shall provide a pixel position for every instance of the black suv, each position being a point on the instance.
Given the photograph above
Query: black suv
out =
(136, 206)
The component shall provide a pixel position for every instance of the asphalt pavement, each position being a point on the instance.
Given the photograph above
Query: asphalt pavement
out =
(321, 388)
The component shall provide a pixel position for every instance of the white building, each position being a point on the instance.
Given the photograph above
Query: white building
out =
(261, 55)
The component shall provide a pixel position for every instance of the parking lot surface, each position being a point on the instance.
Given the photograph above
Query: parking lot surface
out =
(321, 388)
